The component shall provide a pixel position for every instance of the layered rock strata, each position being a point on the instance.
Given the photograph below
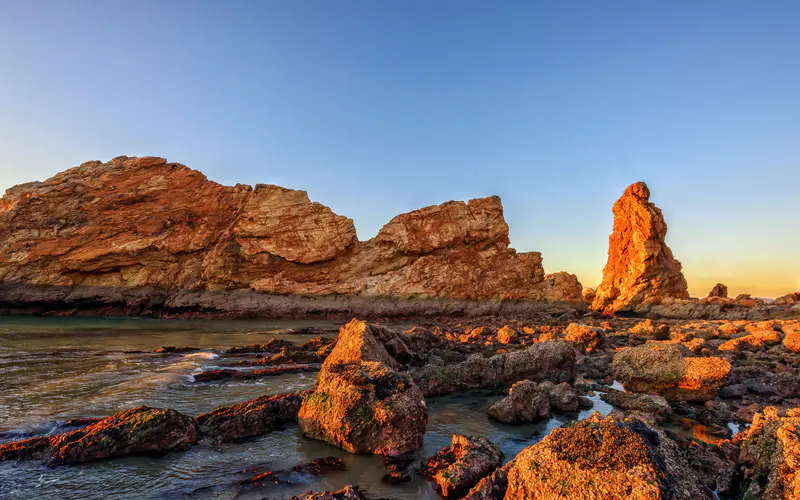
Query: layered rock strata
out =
(144, 233)
(640, 267)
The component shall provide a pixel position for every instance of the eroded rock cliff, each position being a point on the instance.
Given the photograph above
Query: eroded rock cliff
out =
(640, 267)
(147, 233)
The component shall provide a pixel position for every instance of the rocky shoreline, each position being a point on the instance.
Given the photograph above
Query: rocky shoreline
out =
(145, 237)
(686, 384)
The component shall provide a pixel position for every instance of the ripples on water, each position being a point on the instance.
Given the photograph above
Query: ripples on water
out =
(52, 369)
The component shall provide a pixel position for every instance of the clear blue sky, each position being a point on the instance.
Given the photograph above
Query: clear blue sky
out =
(379, 107)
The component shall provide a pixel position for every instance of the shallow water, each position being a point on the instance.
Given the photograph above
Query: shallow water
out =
(52, 369)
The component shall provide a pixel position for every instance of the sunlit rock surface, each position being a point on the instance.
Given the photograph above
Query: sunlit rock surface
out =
(640, 267)
(145, 232)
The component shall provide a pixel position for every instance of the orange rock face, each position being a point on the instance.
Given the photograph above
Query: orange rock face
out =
(359, 402)
(640, 267)
(145, 222)
(770, 455)
(603, 458)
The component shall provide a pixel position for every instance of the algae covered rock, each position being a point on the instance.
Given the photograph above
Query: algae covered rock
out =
(462, 465)
(251, 418)
(770, 455)
(663, 369)
(604, 459)
(365, 407)
(137, 430)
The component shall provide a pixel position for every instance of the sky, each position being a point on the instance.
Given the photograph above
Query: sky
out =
(380, 107)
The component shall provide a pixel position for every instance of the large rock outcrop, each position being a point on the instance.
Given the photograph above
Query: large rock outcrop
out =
(640, 267)
(604, 458)
(149, 235)
(360, 402)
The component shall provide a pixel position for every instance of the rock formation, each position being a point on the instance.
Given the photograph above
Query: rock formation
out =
(529, 402)
(544, 361)
(770, 455)
(145, 234)
(525, 403)
(663, 369)
(586, 338)
(137, 430)
(719, 290)
(251, 418)
(462, 465)
(360, 402)
(604, 458)
(640, 267)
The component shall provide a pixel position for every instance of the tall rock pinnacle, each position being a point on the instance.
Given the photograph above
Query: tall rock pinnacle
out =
(640, 265)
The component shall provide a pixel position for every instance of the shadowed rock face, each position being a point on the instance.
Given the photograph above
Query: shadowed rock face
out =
(640, 267)
(144, 222)
(719, 290)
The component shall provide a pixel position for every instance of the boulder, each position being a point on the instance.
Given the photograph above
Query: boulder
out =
(719, 290)
(584, 337)
(358, 341)
(640, 267)
(641, 403)
(507, 335)
(562, 397)
(588, 294)
(365, 407)
(349, 492)
(137, 430)
(529, 402)
(769, 459)
(648, 330)
(663, 369)
(525, 403)
(462, 465)
(550, 360)
(604, 458)
(251, 418)
(360, 402)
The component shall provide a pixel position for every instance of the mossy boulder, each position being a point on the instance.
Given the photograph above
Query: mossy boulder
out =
(133, 431)
(365, 407)
(664, 369)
